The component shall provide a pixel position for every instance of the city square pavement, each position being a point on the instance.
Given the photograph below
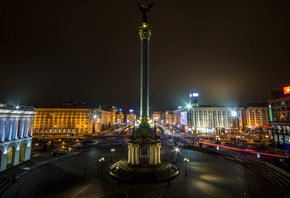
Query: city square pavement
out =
(84, 176)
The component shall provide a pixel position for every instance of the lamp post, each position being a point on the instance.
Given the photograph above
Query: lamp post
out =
(94, 123)
(112, 151)
(185, 163)
(101, 160)
(176, 150)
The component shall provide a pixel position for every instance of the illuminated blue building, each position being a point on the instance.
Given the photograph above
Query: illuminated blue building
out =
(16, 123)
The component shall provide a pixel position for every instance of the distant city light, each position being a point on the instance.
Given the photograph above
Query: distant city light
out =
(131, 110)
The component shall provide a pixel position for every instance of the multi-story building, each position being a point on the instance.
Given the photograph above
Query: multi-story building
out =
(156, 117)
(216, 120)
(131, 116)
(279, 107)
(71, 121)
(15, 134)
(257, 118)
(168, 117)
(120, 117)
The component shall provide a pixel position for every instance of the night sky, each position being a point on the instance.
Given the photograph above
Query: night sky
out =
(231, 52)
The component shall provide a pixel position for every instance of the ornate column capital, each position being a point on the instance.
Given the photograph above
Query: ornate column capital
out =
(145, 31)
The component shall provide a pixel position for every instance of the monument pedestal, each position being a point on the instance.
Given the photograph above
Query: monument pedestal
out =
(123, 172)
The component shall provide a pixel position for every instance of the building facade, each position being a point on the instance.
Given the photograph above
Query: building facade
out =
(216, 120)
(71, 121)
(16, 124)
(279, 109)
(257, 118)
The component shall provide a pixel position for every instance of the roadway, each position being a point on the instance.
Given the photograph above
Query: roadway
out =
(208, 176)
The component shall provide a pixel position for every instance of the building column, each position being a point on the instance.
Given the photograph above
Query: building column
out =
(150, 155)
(129, 154)
(28, 150)
(3, 164)
(25, 128)
(21, 128)
(158, 154)
(16, 129)
(16, 156)
(3, 129)
(137, 154)
(30, 127)
(10, 129)
(134, 154)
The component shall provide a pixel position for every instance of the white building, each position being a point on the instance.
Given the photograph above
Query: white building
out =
(16, 124)
(209, 120)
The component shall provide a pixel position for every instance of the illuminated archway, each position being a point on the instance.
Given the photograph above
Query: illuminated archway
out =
(10, 156)
(22, 153)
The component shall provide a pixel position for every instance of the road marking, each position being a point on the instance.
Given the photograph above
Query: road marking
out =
(81, 190)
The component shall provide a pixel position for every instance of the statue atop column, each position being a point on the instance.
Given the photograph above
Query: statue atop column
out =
(144, 10)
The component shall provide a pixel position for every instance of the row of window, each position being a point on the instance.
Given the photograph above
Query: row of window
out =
(280, 103)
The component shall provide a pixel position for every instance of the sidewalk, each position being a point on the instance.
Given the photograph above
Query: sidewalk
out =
(39, 158)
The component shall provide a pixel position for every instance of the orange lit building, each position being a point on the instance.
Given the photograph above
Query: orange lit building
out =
(257, 118)
(71, 121)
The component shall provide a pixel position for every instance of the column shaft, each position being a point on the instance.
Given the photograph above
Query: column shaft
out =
(144, 103)
(3, 130)
(10, 129)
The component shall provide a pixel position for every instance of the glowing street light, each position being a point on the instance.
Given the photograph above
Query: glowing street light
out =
(189, 106)
(176, 150)
(185, 162)
(101, 160)
(112, 151)
(234, 115)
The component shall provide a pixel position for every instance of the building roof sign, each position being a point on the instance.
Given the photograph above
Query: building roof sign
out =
(286, 90)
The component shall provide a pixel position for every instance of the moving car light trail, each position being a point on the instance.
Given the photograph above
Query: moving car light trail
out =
(244, 150)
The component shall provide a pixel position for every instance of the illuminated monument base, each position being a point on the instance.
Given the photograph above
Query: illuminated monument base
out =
(143, 163)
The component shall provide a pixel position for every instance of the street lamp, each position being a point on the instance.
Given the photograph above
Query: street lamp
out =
(185, 162)
(101, 160)
(112, 151)
(235, 123)
(94, 123)
(176, 150)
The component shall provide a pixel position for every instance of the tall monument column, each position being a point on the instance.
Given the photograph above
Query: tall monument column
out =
(145, 33)
(144, 161)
